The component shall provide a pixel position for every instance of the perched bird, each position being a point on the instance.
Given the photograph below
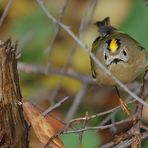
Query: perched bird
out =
(119, 53)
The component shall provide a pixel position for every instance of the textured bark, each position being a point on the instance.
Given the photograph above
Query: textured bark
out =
(13, 127)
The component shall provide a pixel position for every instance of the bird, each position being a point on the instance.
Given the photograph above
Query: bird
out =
(121, 54)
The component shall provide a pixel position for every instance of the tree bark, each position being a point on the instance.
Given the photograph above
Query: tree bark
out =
(13, 127)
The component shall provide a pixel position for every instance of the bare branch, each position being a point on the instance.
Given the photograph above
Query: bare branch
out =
(87, 16)
(136, 128)
(143, 94)
(5, 12)
(57, 30)
(97, 115)
(81, 134)
(113, 121)
(124, 143)
(30, 68)
(97, 127)
(50, 109)
(76, 102)
(144, 127)
(135, 138)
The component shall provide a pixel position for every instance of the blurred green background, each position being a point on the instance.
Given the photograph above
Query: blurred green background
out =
(28, 24)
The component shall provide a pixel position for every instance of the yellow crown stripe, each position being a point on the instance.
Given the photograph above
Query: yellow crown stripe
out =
(113, 45)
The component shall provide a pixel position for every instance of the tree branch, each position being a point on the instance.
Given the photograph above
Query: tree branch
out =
(5, 12)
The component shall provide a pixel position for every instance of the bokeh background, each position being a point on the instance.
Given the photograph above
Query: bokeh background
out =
(27, 24)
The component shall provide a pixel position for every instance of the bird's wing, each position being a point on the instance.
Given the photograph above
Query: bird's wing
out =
(94, 50)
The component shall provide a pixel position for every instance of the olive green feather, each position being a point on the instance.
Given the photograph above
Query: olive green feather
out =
(94, 50)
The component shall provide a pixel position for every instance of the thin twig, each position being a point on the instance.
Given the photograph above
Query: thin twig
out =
(50, 109)
(88, 13)
(57, 29)
(136, 128)
(136, 91)
(135, 131)
(113, 121)
(76, 103)
(123, 144)
(30, 68)
(144, 127)
(106, 119)
(81, 44)
(7, 8)
(84, 22)
(97, 127)
(49, 49)
(143, 94)
(81, 134)
(96, 115)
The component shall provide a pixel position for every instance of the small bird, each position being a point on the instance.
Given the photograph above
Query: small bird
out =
(119, 53)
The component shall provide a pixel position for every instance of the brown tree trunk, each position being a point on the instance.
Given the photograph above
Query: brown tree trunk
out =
(13, 128)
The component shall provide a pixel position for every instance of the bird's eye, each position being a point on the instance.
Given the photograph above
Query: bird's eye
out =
(124, 53)
(106, 57)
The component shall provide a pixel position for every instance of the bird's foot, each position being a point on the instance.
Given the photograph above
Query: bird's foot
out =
(124, 107)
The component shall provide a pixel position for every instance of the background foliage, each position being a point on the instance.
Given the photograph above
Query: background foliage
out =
(27, 24)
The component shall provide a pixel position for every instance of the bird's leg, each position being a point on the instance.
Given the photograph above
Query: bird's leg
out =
(123, 105)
